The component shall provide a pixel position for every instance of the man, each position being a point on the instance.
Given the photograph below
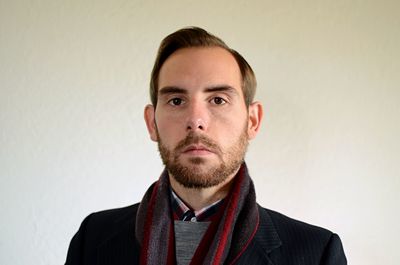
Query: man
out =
(203, 208)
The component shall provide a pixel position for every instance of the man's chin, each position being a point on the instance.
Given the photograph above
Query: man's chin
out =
(198, 173)
(197, 161)
(205, 165)
(197, 180)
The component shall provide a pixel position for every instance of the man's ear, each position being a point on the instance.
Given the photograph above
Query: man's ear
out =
(149, 117)
(255, 117)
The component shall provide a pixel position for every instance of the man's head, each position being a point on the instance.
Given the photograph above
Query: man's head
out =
(196, 37)
(201, 116)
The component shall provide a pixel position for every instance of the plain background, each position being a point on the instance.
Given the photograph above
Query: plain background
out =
(74, 80)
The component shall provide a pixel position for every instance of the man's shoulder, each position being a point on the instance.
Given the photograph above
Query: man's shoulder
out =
(104, 223)
(116, 214)
(108, 232)
(297, 239)
(286, 225)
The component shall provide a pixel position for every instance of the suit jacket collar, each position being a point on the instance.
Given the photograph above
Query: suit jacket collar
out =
(267, 237)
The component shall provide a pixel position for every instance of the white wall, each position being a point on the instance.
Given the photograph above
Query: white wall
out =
(74, 79)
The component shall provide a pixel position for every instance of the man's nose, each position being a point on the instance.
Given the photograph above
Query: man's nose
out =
(197, 118)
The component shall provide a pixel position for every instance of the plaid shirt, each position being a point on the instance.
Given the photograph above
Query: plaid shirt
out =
(184, 213)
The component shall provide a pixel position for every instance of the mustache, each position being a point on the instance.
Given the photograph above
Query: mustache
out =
(193, 138)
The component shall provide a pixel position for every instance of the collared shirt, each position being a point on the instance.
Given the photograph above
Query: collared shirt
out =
(182, 212)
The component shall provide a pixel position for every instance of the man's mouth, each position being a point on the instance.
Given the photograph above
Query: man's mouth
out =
(197, 149)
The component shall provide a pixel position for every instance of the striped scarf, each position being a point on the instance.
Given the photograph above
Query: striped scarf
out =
(224, 240)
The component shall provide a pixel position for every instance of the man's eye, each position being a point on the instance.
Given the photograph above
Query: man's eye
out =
(218, 101)
(175, 101)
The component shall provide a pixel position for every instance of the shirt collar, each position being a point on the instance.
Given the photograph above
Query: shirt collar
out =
(182, 212)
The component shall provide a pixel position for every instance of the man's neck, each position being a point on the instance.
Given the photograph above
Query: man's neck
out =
(197, 199)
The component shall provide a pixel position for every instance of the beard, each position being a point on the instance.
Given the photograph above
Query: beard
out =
(192, 175)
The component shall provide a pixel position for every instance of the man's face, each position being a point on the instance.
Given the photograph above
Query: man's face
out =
(201, 122)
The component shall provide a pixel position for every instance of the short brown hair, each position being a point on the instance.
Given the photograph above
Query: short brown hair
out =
(198, 37)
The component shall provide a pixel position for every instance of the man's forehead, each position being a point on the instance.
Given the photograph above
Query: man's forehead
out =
(205, 67)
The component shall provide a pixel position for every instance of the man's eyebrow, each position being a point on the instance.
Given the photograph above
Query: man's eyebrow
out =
(177, 90)
(222, 88)
(172, 90)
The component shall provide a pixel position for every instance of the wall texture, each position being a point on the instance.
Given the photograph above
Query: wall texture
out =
(74, 79)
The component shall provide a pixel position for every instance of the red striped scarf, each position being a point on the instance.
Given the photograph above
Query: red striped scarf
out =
(224, 241)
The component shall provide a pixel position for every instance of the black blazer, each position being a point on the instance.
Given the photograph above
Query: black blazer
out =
(108, 237)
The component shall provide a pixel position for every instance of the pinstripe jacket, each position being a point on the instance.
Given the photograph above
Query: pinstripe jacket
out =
(108, 237)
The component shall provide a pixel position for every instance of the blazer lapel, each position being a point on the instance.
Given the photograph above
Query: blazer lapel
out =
(267, 237)
(265, 241)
